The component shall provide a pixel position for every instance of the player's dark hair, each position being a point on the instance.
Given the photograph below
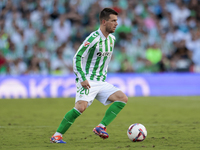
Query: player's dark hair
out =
(105, 14)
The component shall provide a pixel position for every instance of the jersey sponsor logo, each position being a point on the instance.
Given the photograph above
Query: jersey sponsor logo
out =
(86, 43)
(102, 54)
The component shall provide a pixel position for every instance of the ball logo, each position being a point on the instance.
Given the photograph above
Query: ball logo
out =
(129, 130)
(12, 88)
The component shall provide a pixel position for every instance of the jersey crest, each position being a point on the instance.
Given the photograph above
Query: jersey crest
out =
(86, 43)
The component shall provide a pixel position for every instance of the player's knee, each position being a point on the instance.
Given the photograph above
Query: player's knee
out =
(81, 106)
(123, 98)
(81, 109)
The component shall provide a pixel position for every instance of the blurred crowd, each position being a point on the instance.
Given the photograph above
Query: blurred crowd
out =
(42, 36)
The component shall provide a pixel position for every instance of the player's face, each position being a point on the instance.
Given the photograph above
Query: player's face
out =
(111, 24)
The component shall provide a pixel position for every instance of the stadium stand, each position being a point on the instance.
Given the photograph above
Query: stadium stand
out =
(42, 36)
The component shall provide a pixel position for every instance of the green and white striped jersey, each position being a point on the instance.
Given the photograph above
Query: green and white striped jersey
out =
(91, 60)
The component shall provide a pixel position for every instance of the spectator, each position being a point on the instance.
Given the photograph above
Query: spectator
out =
(180, 14)
(61, 65)
(30, 35)
(17, 67)
(55, 14)
(38, 32)
(62, 28)
(3, 64)
(154, 55)
(181, 60)
(33, 66)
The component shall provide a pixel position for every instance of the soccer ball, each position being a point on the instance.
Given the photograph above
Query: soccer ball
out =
(137, 132)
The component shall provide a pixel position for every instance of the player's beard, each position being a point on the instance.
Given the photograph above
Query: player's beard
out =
(109, 30)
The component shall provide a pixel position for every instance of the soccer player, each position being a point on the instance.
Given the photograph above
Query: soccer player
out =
(90, 65)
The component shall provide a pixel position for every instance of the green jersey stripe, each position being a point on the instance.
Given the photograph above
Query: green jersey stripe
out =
(110, 39)
(104, 76)
(111, 43)
(97, 61)
(104, 60)
(90, 58)
(78, 64)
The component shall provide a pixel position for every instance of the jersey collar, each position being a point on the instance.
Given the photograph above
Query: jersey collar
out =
(101, 34)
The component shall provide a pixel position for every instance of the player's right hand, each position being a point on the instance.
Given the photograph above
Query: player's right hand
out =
(85, 84)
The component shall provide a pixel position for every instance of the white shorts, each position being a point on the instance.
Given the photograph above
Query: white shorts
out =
(98, 90)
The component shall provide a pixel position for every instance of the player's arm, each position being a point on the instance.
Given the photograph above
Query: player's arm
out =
(81, 53)
(78, 66)
(77, 62)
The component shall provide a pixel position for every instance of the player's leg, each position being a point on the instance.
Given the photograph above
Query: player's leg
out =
(119, 100)
(71, 115)
(68, 120)
(109, 94)
(84, 98)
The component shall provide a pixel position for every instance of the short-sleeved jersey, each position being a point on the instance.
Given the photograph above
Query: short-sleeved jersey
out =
(92, 58)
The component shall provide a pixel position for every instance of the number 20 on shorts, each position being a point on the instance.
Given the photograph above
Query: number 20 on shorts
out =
(84, 91)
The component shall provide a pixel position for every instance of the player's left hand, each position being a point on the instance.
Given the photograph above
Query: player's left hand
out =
(85, 84)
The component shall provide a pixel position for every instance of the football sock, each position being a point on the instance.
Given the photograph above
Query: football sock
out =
(68, 120)
(112, 112)
(101, 125)
(57, 133)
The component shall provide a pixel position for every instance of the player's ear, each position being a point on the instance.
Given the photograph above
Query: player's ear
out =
(103, 21)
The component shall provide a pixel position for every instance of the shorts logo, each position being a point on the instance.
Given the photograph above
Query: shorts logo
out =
(86, 43)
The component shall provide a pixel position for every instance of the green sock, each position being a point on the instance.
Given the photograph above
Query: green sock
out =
(112, 112)
(68, 120)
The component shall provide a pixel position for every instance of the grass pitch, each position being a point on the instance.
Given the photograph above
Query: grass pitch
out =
(171, 123)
